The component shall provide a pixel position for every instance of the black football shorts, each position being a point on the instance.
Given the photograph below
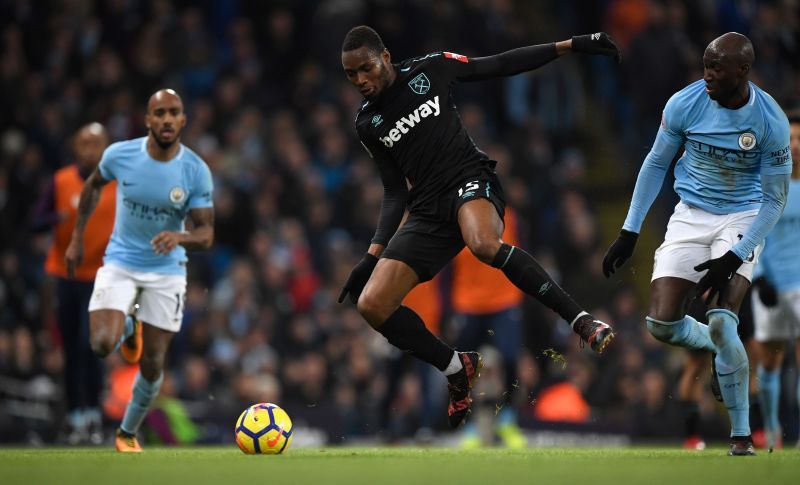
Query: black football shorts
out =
(431, 237)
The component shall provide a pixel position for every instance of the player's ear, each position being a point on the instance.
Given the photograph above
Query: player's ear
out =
(743, 69)
(386, 56)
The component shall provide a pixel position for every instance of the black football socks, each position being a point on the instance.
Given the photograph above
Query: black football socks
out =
(405, 330)
(522, 269)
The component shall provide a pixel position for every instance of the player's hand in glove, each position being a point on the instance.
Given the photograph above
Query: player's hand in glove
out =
(619, 252)
(596, 44)
(358, 278)
(766, 291)
(720, 271)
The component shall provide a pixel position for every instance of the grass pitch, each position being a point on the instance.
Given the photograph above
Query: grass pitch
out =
(415, 466)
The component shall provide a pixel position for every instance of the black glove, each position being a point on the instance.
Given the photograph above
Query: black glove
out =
(619, 252)
(599, 43)
(720, 271)
(766, 291)
(358, 278)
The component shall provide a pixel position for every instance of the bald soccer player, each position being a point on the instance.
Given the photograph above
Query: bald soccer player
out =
(159, 183)
(732, 180)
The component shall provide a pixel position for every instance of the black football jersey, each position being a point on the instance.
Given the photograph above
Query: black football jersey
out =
(414, 127)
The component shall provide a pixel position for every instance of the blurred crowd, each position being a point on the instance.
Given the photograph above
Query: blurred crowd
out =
(297, 198)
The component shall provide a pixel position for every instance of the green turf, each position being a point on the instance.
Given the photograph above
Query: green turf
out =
(414, 466)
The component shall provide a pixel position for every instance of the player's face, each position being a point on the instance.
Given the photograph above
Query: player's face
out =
(722, 75)
(165, 120)
(367, 70)
(89, 145)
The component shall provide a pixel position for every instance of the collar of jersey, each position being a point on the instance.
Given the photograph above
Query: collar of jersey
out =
(147, 154)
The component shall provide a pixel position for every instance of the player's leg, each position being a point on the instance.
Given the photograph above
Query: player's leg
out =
(667, 319)
(416, 253)
(470, 330)
(770, 324)
(792, 299)
(732, 367)
(113, 294)
(731, 363)
(686, 244)
(482, 228)
(380, 305)
(746, 332)
(768, 374)
(106, 330)
(162, 301)
(148, 382)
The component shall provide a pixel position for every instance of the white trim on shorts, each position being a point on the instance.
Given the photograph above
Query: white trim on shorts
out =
(161, 301)
(781, 322)
(695, 236)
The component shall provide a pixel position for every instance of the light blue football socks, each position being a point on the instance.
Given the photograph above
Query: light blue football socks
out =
(769, 391)
(127, 331)
(144, 393)
(733, 370)
(687, 332)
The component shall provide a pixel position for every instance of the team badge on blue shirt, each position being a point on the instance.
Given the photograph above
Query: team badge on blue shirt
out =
(747, 141)
(176, 195)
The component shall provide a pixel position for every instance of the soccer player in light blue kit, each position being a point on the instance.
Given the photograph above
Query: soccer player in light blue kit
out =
(776, 307)
(160, 182)
(732, 180)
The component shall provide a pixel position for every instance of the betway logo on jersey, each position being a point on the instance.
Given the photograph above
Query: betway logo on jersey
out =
(404, 124)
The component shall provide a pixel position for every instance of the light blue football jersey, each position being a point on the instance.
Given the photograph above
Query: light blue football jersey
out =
(780, 260)
(726, 150)
(152, 196)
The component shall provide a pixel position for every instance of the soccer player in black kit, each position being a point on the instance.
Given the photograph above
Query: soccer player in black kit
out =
(410, 126)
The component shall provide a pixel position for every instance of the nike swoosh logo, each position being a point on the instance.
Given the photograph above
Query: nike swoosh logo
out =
(273, 442)
(127, 184)
(405, 69)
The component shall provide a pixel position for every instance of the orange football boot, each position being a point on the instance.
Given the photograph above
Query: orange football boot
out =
(127, 443)
(131, 348)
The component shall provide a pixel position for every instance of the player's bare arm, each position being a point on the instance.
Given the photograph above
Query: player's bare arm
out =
(90, 195)
(199, 238)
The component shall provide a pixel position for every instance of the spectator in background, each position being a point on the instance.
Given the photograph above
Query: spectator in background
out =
(777, 309)
(268, 88)
(58, 209)
(487, 311)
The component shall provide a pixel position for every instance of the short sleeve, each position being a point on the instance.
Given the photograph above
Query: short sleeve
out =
(202, 193)
(109, 163)
(776, 156)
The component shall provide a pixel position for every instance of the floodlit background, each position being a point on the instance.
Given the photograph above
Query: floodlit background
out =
(297, 198)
